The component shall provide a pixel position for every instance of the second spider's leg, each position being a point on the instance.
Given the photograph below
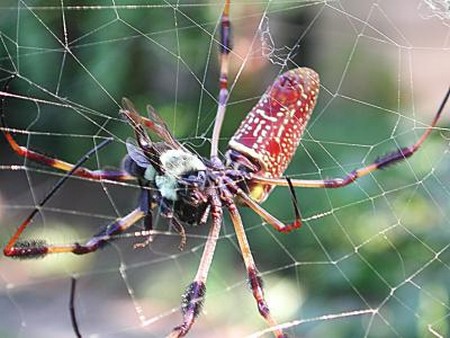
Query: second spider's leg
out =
(225, 49)
(254, 278)
(382, 162)
(195, 293)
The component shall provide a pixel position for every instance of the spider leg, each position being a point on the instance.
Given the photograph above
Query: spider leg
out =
(194, 295)
(113, 175)
(36, 248)
(380, 163)
(10, 247)
(266, 216)
(254, 278)
(225, 49)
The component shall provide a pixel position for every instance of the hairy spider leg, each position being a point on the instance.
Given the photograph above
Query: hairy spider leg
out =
(37, 248)
(193, 297)
(113, 175)
(225, 49)
(254, 278)
(380, 163)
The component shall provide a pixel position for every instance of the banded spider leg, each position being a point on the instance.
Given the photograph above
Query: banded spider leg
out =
(380, 163)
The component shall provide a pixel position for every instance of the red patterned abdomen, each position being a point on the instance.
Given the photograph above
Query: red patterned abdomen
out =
(272, 130)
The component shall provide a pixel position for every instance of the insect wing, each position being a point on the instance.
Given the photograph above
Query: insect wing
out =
(156, 123)
(136, 154)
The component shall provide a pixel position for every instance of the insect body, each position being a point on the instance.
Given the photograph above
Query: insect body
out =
(187, 188)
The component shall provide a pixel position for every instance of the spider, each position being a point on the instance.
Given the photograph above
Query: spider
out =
(189, 189)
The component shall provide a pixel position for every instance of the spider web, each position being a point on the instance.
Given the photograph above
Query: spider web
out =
(371, 260)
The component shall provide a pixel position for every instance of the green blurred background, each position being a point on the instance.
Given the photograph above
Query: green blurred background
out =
(374, 255)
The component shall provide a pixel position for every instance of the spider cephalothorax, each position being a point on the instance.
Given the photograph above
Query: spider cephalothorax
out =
(187, 188)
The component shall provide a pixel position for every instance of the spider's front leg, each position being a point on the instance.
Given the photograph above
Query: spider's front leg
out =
(225, 49)
(193, 297)
(37, 248)
(97, 175)
(113, 175)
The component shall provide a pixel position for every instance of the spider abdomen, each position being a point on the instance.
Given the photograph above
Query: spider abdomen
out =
(271, 132)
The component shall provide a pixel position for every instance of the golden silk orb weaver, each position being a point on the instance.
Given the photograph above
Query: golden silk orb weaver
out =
(189, 189)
